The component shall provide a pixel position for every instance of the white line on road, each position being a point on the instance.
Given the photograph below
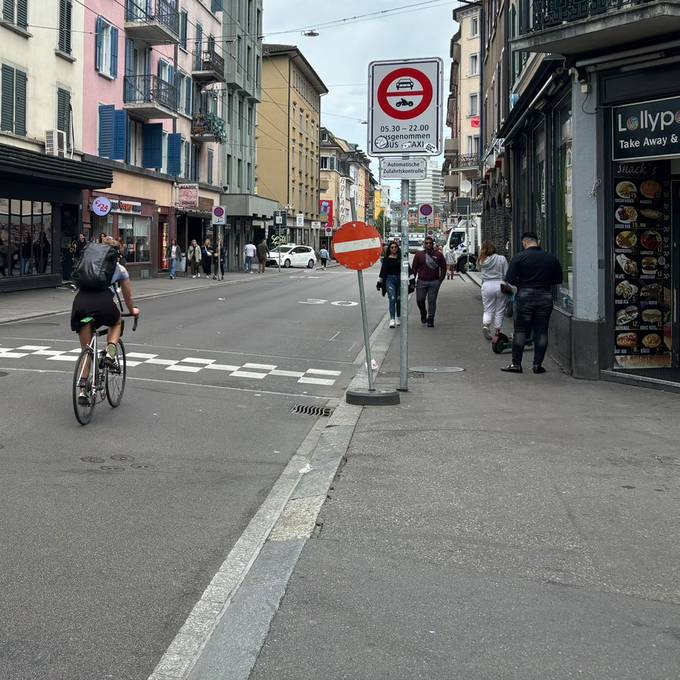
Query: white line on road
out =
(319, 371)
(316, 381)
(62, 357)
(248, 374)
(266, 367)
(335, 336)
(141, 355)
(191, 360)
(185, 369)
(162, 362)
(286, 374)
(34, 347)
(222, 367)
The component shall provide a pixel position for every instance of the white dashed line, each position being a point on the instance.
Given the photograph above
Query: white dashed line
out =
(287, 374)
(162, 362)
(184, 369)
(264, 367)
(319, 371)
(34, 347)
(64, 357)
(191, 360)
(13, 355)
(248, 374)
(141, 355)
(316, 381)
(222, 367)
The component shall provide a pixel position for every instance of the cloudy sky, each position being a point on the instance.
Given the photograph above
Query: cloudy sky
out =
(341, 54)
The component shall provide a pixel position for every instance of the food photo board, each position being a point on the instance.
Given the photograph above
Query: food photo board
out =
(642, 265)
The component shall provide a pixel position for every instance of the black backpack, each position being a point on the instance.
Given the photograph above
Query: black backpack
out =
(96, 267)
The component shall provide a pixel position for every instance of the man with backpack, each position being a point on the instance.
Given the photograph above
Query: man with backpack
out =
(95, 274)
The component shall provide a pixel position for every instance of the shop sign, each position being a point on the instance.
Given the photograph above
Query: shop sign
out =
(129, 207)
(646, 130)
(187, 195)
(101, 206)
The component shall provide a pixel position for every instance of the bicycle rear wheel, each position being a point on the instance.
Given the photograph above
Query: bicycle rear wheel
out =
(115, 377)
(84, 370)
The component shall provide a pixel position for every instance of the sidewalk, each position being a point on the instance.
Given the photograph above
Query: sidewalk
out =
(493, 527)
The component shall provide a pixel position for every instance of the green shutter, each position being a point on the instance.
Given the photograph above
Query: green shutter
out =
(7, 99)
(22, 13)
(8, 10)
(20, 104)
(65, 9)
(63, 111)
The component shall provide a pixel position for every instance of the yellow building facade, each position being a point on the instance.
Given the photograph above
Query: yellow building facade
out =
(289, 119)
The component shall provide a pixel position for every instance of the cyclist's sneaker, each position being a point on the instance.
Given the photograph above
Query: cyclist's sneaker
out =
(84, 393)
(111, 356)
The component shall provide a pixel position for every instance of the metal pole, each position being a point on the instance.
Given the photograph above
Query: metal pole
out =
(403, 367)
(367, 338)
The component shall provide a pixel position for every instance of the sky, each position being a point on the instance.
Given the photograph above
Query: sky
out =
(340, 55)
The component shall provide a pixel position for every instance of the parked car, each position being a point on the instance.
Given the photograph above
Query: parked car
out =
(292, 255)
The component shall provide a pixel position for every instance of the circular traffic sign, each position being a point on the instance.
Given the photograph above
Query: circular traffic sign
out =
(329, 231)
(357, 245)
(101, 206)
(426, 209)
(405, 93)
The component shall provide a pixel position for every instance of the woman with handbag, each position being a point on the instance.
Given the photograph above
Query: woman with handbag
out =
(389, 281)
(493, 268)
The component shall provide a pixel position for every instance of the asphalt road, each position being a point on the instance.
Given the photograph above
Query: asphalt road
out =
(111, 532)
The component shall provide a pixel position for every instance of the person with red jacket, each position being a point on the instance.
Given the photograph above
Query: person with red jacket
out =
(429, 267)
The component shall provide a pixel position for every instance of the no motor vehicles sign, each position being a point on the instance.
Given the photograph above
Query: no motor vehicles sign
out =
(405, 109)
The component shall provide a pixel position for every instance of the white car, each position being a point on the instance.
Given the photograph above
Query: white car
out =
(292, 256)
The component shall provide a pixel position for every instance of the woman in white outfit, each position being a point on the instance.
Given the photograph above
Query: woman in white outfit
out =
(493, 268)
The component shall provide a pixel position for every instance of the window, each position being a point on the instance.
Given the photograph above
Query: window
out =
(473, 145)
(164, 153)
(211, 157)
(65, 12)
(249, 170)
(26, 237)
(135, 233)
(249, 59)
(183, 29)
(239, 176)
(106, 48)
(474, 27)
(186, 158)
(325, 162)
(563, 201)
(16, 12)
(474, 105)
(184, 93)
(64, 114)
(474, 65)
(229, 161)
(13, 101)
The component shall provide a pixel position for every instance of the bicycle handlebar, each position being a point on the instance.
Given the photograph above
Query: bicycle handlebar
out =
(134, 325)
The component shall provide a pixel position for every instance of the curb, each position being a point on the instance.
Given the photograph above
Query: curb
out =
(223, 635)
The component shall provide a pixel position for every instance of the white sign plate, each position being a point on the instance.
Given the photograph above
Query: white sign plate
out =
(405, 107)
(300, 220)
(219, 215)
(403, 168)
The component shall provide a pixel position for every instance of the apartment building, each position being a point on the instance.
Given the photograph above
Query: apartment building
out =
(335, 182)
(43, 167)
(288, 139)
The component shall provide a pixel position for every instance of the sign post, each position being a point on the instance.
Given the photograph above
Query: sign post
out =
(405, 266)
(358, 246)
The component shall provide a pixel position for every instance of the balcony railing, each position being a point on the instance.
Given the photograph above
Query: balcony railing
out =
(208, 127)
(152, 20)
(549, 13)
(208, 65)
(150, 95)
(469, 161)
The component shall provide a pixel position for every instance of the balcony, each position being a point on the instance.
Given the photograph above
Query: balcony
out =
(207, 127)
(208, 67)
(156, 22)
(148, 97)
(460, 162)
(451, 182)
(450, 147)
(573, 27)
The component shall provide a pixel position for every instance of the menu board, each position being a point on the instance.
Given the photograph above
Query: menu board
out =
(642, 264)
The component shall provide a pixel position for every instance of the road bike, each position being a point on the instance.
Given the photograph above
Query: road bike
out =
(101, 379)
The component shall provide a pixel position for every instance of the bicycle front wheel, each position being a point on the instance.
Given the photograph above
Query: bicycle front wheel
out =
(84, 394)
(115, 377)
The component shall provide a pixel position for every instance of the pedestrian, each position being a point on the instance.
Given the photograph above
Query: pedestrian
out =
(249, 252)
(43, 252)
(219, 256)
(27, 255)
(173, 257)
(324, 256)
(262, 253)
(389, 281)
(495, 300)
(429, 266)
(533, 272)
(80, 245)
(450, 258)
(206, 258)
(195, 258)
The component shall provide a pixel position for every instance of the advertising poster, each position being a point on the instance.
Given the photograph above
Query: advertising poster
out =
(642, 264)
(326, 210)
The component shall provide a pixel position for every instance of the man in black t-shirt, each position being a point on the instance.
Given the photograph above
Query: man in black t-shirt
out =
(533, 272)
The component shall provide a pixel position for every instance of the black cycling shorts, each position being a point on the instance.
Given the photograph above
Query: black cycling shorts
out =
(99, 304)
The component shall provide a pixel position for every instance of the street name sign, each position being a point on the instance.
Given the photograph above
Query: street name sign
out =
(357, 245)
(403, 168)
(405, 107)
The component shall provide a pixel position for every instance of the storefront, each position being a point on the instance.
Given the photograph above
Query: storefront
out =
(41, 215)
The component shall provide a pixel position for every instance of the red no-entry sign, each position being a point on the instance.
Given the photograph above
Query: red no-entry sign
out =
(405, 93)
(357, 245)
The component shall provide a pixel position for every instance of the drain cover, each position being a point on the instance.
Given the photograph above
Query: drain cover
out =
(437, 369)
(305, 410)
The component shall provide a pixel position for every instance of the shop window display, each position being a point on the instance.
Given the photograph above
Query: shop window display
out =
(135, 234)
(538, 184)
(25, 238)
(563, 203)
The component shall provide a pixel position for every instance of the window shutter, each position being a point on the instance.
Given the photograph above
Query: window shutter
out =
(20, 104)
(7, 99)
(198, 56)
(211, 156)
(63, 110)
(152, 145)
(106, 115)
(217, 6)
(22, 13)
(98, 43)
(120, 135)
(114, 52)
(65, 9)
(190, 85)
(8, 10)
(174, 154)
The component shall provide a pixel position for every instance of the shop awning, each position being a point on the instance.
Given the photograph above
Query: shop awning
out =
(90, 173)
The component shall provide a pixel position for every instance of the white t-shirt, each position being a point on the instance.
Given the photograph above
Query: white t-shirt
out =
(250, 250)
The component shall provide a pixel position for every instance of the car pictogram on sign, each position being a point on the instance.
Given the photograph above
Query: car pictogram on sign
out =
(405, 84)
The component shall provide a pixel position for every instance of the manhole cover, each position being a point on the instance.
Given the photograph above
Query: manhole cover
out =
(123, 459)
(437, 369)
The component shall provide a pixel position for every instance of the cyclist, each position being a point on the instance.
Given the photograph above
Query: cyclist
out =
(101, 306)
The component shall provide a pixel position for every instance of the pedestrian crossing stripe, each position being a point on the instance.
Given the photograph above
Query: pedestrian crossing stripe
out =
(249, 370)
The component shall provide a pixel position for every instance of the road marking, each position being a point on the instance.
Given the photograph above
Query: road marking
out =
(316, 381)
(141, 355)
(185, 369)
(222, 367)
(267, 367)
(13, 355)
(34, 347)
(191, 360)
(287, 374)
(64, 357)
(162, 362)
(132, 363)
(319, 371)
(248, 374)
(51, 352)
(335, 336)
(344, 303)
